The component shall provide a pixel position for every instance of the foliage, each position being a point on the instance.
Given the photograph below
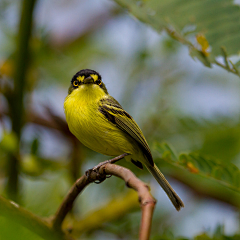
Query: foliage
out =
(208, 28)
(226, 174)
(153, 78)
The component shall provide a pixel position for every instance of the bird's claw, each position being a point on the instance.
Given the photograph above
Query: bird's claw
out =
(100, 177)
(99, 165)
(88, 172)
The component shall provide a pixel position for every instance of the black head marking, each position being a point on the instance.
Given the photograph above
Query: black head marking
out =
(86, 73)
(82, 74)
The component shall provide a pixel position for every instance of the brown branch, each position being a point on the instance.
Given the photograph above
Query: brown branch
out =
(145, 198)
(90, 176)
(51, 121)
(146, 221)
(67, 203)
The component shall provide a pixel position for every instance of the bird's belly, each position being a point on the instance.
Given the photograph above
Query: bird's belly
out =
(98, 134)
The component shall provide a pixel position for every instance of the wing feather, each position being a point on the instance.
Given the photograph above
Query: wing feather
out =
(114, 113)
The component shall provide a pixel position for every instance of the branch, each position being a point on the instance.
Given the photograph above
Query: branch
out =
(14, 212)
(79, 185)
(145, 198)
(226, 67)
(67, 203)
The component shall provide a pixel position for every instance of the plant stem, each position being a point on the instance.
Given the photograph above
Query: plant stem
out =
(14, 212)
(17, 98)
(145, 198)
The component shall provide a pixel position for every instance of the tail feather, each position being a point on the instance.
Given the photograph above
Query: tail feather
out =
(175, 199)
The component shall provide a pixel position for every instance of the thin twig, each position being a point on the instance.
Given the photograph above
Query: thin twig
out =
(113, 160)
(234, 67)
(145, 198)
(224, 53)
(226, 68)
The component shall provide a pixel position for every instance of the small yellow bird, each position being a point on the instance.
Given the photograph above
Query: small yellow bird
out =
(100, 123)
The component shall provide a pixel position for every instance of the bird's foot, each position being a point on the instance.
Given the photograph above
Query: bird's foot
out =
(96, 169)
(99, 178)
(111, 161)
(88, 172)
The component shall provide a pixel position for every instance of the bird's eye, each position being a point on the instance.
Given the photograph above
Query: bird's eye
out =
(75, 83)
(99, 82)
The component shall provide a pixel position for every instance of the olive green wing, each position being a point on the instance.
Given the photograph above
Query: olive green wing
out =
(114, 113)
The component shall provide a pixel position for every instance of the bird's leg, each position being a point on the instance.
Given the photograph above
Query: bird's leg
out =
(113, 160)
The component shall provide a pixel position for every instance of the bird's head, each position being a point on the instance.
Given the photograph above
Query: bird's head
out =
(86, 78)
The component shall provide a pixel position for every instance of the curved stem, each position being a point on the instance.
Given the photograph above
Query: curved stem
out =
(145, 198)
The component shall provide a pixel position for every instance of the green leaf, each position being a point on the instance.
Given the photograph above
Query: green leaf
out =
(35, 146)
(202, 25)
(226, 174)
(20, 232)
(30, 165)
(237, 64)
(9, 142)
(194, 53)
(205, 236)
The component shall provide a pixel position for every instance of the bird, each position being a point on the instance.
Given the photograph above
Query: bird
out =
(100, 123)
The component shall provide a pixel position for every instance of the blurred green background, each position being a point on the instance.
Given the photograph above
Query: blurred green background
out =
(188, 109)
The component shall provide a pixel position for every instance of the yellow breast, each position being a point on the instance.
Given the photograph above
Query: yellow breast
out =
(90, 126)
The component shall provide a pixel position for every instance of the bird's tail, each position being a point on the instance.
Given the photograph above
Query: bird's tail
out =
(175, 199)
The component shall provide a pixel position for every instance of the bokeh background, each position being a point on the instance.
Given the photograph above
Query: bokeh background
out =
(174, 98)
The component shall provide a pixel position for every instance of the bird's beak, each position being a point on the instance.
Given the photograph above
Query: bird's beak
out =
(88, 80)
